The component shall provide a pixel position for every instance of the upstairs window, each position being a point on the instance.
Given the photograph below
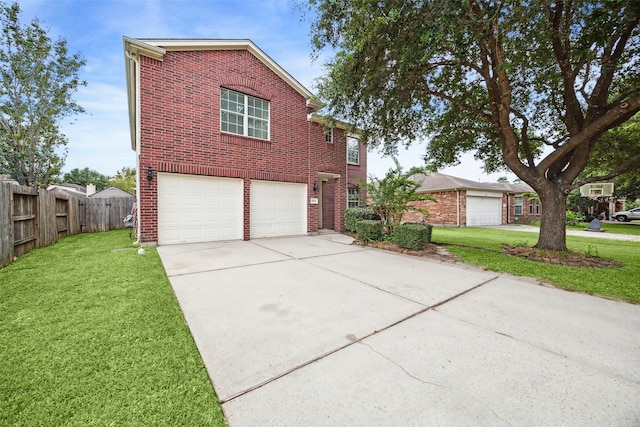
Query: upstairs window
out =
(353, 150)
(328, 135)
(244, 114)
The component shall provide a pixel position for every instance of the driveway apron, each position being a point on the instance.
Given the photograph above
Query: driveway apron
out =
(316, 331)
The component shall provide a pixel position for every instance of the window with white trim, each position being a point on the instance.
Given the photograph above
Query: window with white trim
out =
(353, 198)
(534, 207)
(518, 205)
(328, 135)
(353, 150)
(244, 114)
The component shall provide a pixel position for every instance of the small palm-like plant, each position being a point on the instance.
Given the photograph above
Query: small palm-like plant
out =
(390, 196)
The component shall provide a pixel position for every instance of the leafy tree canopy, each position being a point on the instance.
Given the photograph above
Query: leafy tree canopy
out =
(38, 77)
(530, 84)
(87, 176)
(618, 149)
(125, 179)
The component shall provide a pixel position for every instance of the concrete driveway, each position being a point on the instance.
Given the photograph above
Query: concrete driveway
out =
(314, 331)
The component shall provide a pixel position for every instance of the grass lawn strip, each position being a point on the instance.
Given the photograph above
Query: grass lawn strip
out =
(482, 247)
(93, 336)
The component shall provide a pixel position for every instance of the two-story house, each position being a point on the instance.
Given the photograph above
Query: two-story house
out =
(229, 145)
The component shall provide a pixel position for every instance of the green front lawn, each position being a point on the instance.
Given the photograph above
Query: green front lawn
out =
(92, 334)
(481, 246)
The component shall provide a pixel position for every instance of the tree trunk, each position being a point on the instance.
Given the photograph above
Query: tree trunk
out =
(553, 234)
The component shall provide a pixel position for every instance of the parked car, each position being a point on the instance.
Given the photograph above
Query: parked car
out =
(624, 216)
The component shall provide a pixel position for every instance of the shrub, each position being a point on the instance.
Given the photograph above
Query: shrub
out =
(412, 235)
(353, 215)
(370, 230)
(572, 218)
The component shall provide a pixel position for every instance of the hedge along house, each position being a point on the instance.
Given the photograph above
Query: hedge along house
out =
(462, 202)
(229, 145)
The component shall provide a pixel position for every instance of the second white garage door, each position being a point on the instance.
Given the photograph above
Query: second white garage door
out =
(278, 209)
(484, 209)
(198, 209)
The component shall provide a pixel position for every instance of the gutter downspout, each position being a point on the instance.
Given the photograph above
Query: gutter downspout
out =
(135, 61)
(458, 207)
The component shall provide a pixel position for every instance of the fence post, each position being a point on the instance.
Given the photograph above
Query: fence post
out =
(6, 223)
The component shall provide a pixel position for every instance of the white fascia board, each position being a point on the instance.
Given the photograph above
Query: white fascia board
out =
(322, 120)
(132, 50)
(138, 47)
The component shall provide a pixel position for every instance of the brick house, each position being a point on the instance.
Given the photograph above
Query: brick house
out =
(230, 146)
(463, 202)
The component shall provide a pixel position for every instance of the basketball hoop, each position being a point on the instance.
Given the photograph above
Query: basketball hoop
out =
(594, 196)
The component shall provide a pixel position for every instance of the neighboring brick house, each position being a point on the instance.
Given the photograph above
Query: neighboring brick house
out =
(229, 145)
(464, 202)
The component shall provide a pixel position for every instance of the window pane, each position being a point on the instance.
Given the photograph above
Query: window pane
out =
(353, 151)
(258, 128)
(258, 108)
(232, 123)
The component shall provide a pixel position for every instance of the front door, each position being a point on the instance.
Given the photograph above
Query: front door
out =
(328, 206)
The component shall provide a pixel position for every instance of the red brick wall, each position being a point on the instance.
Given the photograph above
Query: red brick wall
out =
(526, 217)
(180, 130)
(444, 211)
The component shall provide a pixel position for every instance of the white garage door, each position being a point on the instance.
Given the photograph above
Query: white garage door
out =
(278, 209)
(198, 209)
(484, 209)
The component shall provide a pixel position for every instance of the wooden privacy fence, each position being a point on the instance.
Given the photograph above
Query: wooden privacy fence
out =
(31, 218)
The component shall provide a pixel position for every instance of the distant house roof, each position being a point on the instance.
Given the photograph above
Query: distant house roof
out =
(71, 189)
(110, 193)
(8, 178)
(436, 181)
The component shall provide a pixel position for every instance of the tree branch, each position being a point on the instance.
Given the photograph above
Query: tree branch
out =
(628, 165)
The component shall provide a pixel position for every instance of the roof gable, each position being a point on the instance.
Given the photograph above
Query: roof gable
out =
(157, 48)
(111, 192)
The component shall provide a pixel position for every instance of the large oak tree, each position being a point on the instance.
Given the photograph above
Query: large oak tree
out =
(532, 85)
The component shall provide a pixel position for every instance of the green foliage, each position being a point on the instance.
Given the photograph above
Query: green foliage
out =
(370, 230)
(412, 236)
(616, 159)
(502, 79)
(38, 78)
(92, 334)
(573, 218)
(390, 196)
(87, 176)
(125, 179)
(353, 215)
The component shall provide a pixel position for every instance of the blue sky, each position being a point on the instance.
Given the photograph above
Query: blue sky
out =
(99, 139)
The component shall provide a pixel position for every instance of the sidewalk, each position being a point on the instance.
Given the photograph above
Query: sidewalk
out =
(579, 233)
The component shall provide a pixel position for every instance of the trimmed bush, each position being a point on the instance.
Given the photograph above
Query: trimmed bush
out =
(412, 235)
(370, 230)
(353, 215)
